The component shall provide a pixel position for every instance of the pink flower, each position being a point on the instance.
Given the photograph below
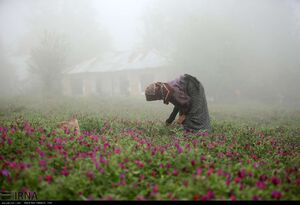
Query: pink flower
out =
(228, 182)
(103, 160)
(193, 162)
(179, 149)
(199, 171)
(188, 146)
(139, 163)
(42, 163)
(242, 173)
(140, 198)
(142, 177)
(13, 165)
(220, 172)
(202, 158)
(210, 194)
(232, 197)
(49, 178)
(204, 198)
(65, 172)
(276, 195)
(117, 151)
(210, 171)
(255, 198)
(175, 172)
(9, 141)
(275, 181)
(298, 181)
(263, 178)
(122, 176)
(122, 166)
(155, 189)
(90, 175)
(260, 185)
(237, 180)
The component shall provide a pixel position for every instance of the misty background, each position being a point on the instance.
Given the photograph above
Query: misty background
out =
(240, 50)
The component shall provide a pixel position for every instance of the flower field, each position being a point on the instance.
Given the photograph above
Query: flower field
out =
(125, 152)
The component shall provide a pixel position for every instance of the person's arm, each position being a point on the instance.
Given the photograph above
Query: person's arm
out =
(183, 102)
(172, 115)
(181, 118)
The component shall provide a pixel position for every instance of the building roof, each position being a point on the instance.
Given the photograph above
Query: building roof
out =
(116, 61)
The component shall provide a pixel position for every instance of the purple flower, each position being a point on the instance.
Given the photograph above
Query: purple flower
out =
(276, 195)
(5, 172)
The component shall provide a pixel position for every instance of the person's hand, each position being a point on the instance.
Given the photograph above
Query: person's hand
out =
(168, 122)
(181, 119)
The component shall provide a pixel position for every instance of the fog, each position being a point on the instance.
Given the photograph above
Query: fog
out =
(241, 51)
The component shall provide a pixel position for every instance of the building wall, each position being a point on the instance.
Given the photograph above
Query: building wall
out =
(118, 83)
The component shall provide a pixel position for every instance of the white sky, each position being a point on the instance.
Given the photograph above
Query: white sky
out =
(122, 18)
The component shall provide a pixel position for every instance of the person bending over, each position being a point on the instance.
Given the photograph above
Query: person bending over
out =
(187, 95)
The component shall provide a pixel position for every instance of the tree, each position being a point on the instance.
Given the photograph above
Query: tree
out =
(7, 74)
(48, 61)
(73, 34)
(75, 20)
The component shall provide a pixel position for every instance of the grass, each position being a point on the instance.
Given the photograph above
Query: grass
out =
(125, 152)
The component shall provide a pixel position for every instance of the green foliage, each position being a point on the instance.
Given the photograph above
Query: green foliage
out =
(121, 156)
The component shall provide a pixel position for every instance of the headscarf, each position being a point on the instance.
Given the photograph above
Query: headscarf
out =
(157, 91)
(154, 91)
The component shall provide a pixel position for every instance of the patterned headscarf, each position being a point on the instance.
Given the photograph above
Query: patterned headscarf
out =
(153, 92)
(158, 91)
